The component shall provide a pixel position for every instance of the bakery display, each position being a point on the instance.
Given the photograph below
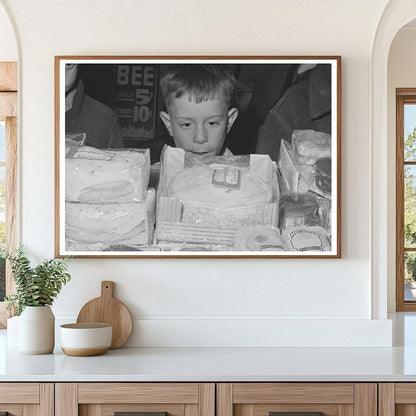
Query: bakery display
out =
(203, 203)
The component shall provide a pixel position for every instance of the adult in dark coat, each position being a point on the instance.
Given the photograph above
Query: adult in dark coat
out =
(305, 105)
(83, 114)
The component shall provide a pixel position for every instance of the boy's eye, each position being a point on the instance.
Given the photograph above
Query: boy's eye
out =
(186, 125)
(213, 123)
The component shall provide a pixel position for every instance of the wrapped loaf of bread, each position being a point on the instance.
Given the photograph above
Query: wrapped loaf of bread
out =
(102, 225)
(104, 176)
(311, 145)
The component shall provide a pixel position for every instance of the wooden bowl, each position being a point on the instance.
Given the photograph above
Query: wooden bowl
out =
(84, 340)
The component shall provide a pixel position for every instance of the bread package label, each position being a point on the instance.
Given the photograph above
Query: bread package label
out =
(106, 176)
(227, 178)
(306, 239)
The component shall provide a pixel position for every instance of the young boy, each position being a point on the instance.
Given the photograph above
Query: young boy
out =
(198, 100)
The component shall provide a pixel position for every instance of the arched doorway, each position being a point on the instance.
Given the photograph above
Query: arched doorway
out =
(396, 15)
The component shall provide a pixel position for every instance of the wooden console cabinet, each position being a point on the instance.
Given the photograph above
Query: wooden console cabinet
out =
(208, 399)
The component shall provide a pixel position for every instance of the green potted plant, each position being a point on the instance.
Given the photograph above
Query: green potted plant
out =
(36, 289)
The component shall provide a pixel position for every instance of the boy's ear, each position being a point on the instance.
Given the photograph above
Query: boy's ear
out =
(232, 115)
(166, 121)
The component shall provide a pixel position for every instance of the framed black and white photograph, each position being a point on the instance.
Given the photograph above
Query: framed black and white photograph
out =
(198, 156)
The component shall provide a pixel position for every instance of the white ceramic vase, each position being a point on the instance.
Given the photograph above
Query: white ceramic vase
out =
(37, 330)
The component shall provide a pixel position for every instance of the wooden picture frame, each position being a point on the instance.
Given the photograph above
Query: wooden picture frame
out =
(265, 183)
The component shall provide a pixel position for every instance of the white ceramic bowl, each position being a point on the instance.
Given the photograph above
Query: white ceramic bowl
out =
(85, 339)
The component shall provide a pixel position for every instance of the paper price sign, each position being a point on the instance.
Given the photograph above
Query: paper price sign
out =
(135, 95)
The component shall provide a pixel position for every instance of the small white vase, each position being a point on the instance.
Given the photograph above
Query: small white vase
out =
(37, 330)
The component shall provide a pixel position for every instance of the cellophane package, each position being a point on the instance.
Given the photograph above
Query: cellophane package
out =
(97, 176)
(107, 202)
(99, 227)
(207, 200)
(305, 170)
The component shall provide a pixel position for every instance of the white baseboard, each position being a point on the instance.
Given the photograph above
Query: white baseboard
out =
(261, 333)
(190, 332)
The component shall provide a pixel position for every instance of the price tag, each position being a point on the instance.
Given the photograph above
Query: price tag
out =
(227, 178)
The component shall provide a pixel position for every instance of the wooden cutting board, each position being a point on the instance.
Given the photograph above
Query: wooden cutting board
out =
(108, 310)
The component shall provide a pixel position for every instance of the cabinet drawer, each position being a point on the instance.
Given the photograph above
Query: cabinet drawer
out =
(19, 393)
(268, 399)
(20, 399)
(146, 399)
(138, 393)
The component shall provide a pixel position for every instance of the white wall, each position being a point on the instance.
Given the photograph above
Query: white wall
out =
(401, 74)
(8, 45)
(223, 301)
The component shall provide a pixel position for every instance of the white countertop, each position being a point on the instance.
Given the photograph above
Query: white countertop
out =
(215, 364)
(221, 364)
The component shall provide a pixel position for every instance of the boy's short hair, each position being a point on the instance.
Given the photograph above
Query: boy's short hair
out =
(201, 81)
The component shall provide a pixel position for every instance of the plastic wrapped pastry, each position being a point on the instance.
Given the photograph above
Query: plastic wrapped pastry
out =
(104, 176)
(311, 145)
(219, 186)
(88, 226)
(204, 200)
